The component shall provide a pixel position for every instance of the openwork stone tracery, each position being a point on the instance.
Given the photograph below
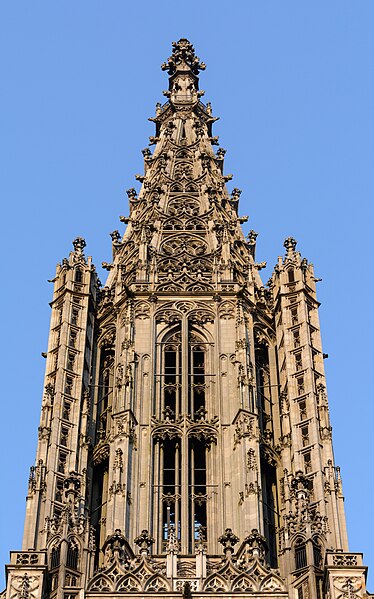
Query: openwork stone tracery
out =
(185, 403)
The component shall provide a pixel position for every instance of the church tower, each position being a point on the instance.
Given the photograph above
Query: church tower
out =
(184, 443)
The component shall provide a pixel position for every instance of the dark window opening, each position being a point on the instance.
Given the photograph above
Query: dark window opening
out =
(105, 390)
(197, 491)
(298, 362)
(296, 338)
(302, 409)
(294, 316)
(61, 464)
(69, 385)
(66, 409)
(171, 483)
(317, 555)
(263, 388)
(270, 509)
(172, 378)
(307, 462)
(74, 316)
(300, 556)
(55, 557)
(72, 557)
(196, 380)
(64, 436)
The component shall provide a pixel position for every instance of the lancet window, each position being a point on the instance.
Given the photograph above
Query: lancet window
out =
(180, 456)
(196, 369)
(182, 393)
(263, 387)
(171, 380)
(78, 278)
(105, 389)
(300, 555)
(197, 484)
(268, 469)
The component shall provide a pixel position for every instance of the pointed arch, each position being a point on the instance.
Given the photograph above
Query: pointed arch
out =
(272, 583)
(299, 547)
(101, 583)
(128, 584)
(318, 543)
(157, 584)
(215, 583)
(179, 205)
(243, 584)
(78, 274)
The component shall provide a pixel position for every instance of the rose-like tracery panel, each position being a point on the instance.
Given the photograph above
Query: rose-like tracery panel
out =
(180, 205)
(184, 243)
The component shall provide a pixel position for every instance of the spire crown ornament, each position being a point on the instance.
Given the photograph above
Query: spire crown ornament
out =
(183, 58)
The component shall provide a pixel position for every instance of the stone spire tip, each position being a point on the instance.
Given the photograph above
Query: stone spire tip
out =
(183, 55)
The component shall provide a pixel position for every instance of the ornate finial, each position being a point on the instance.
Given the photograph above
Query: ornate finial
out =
(258, 546)
(72, 485)
(79, 244)
(300, 484)
(290, 245)
(116, 236)
(172, 541)
(25, 587)
(183, 53)
(228, 540)
(221, 153)
(144, 541)
(131, 193)
(252, 236)
(235, 194)
(200, 546)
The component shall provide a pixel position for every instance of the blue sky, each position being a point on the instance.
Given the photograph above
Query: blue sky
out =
(293, 84)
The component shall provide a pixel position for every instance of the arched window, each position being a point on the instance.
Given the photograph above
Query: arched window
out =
(105, 388)
(55, 557)
(180, 461)
(196, 373)
(300, 555)
(78, 276)
(317, 553)
(171, 380)
(72, 556)
(171, 487)
(291, 275)
(197, 491)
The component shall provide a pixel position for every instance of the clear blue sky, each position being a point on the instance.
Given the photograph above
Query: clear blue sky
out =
(293, 84)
